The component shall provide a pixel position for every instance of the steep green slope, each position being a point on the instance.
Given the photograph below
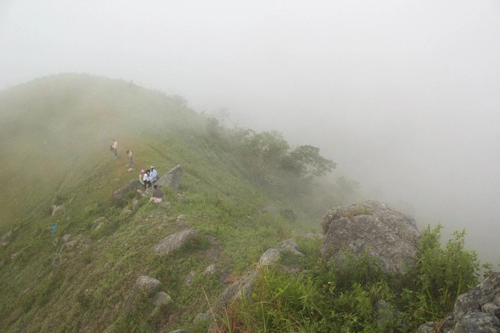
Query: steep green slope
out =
(55, 137)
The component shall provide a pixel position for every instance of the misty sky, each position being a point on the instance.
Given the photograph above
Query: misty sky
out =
(403, 95)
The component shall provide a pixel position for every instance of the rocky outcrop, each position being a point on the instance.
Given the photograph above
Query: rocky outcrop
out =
(388, 234)
(133, 185)
(476, 311)
(175, 241)
(172, 178)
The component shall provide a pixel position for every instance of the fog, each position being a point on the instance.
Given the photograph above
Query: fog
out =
(404, 96)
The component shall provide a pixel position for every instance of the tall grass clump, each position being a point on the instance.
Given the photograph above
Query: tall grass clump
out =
(355, 295)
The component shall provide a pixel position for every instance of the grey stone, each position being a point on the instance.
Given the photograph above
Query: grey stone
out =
(161, 298)
(290, 246)
(126, 211)
(99, 222)
(426, 328)
(135, 204)
(496, 299)
(172, 178)
(144, 286)
(189, 278)
(121, 194)
(175, 241)
(66, 237)
(473, 300)
(181, 197)
(201, 317)
(477, 322)
(4, 239)
(271, 209)
(271, 256)
(56, 262)
(490, 308)
(69, 247)
(58, 209)
(476, 310)
(210, 270)
(55, 241)
(237, 290)
(389, 235)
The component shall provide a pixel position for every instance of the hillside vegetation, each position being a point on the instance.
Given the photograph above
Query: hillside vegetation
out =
(55, 134)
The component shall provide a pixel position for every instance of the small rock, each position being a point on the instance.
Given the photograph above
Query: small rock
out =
(99, 223)
(201, 317)
(271, 256)
(55, 241)
(290, 246)
(175, 241)
(271, 209)
(66, 237)
(58, 210)
(69, 246)
(210, 270)
(5, 237)
(161, 298)
(144, 285)
(189, 278)
(126, 211)
(135, 204)
(181, 197)
(56, 262)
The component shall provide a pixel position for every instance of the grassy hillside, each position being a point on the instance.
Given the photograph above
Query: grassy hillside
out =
(55, 134)
(55, 137)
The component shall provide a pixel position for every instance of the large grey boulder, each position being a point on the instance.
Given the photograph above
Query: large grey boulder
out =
(389, 235)
(121, 194)
(175, 241)
(172, 178)
(476, 311)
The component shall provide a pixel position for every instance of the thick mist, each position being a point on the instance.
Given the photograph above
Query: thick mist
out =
(404, 96)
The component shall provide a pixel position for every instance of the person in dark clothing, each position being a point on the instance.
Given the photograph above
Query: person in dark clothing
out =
(157, 195)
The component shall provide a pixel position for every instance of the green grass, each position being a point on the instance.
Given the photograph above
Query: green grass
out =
(65, 159)
(54, 141)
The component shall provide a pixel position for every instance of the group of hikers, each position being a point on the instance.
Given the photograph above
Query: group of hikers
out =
(148, 177)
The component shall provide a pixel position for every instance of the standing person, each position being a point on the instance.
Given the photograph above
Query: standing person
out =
(153, 176)
(115, 148)
(129, 153)
(157, 195)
